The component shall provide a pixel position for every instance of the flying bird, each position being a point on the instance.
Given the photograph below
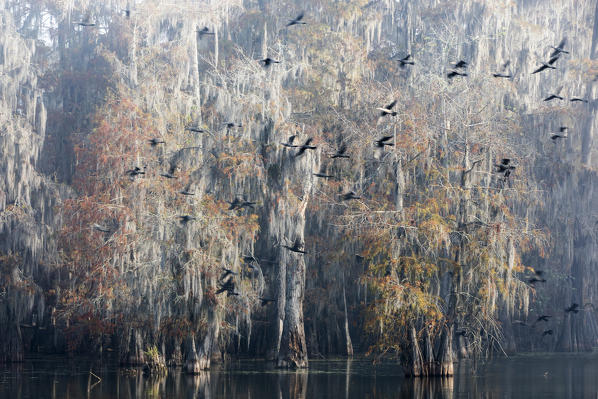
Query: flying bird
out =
(154, 142)
(559, 49)
(269, 61)
(195, 129)
(554, 137)
(168, 175)
(461, 64)
(228, 287)
(349, 196)
(547, 332)
(577, 99)
(504, 166)
(388, 109)
(297, 247)
(297, 20)
(289, 143)
(383, 142)
(305, 146)
(227, 272)
(543, 318)
(573, 308)
(204, 31)
(238, 203)
(555, 95)
(341, 152)
(405, 61)
(503, 73)
(230, 125)
(85, 22)
(547, 65)
(187, 192)
(135, 172)
(535, 280)
(452, 74)
(186, 219)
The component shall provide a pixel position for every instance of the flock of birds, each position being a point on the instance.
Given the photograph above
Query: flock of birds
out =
(458, 69)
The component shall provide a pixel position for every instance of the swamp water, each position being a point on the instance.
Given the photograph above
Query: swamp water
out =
(522, 376)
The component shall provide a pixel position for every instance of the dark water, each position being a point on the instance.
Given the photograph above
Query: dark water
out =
(537, 376)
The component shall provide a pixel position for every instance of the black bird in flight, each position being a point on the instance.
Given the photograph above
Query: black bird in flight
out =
(503, 73)
(388, 109)
(539, 273)
(547, 332)
(101, 228)
(383, 141)
(297, 247)
(228, 287)
(452, 74)
(555, 95)
(322, 173)
(230, 125)
(135, 172)
(204, 31)
(85, 22)
(187, 192)
(155, 142)
(297, 20)
(238, 203)
(226, 273)
(547, 65)
(349, 196)
(461, 64)
(195, 129)
(554, 137)
(405, 61)
(269, 61)
(577, 99)
(535, 280)
(559, 49)
(168, 175)
(289, 143)
(573, 308)
(266, 301)
(186, 219)
(305, 146)
(504, 166)
(341, 152)
(543, 318)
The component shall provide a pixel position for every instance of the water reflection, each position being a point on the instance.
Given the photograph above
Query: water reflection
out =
(550, 376)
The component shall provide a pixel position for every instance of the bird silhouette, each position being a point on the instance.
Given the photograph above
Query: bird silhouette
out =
(577, 99)
(135, 172)
(305, 146)
(349, 196)
(555, 95)
(341, 152)
(203, 32)
(453, 74)
(461, 64)
(86, 22)
(547, 332)
(547, 65)
(405, 61)
(154, 142)
(388, 109)
(297, 247)
(228, 286)
(187, 192)
(195, 129)
(269, 61)
(238, 203)
(226, 273)
(573, 308)
(554, 137)
(101, 228)
(535, 280)
(539, 273)
(168, 175)
(543, 318)
(230, 125)
(186, 219)
(560, 48)
(127, 13)
(504, 166)
(289, 143)
(503, 73)
(383, 142)
(296, 21)
(266, 301)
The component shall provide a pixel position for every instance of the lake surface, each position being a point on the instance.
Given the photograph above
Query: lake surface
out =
(523, 376)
